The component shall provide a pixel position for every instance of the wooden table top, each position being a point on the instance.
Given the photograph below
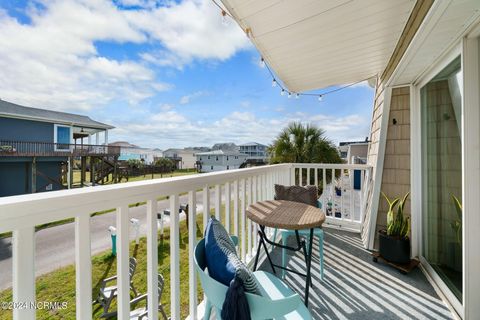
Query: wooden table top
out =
(285, 214)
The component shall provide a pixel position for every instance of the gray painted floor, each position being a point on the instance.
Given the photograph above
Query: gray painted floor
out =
(354, 287)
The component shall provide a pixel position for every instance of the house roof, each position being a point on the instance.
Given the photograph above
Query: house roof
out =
(12, 110)
(221, 153)
(316, 44)
(251, 144)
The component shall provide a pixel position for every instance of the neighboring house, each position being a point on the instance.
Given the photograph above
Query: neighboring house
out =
(256, 152)
(225, 146)
(38, 146)
(130, 151)
(219, 160)
(354, 151)
(183, 158)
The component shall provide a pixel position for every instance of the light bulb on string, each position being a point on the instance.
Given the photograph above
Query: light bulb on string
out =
(320, 98)
(274, 83)
(289, 95)
(262, 63)
(282, 92)
(297, 96)
(225, 21)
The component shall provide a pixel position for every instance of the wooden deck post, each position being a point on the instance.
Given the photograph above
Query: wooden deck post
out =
(83, 171)
(70, 172)
(34, 175)
(92, 170)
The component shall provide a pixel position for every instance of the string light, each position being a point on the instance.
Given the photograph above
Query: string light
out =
(297, 94)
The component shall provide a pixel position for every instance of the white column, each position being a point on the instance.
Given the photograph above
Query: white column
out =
(192, 242)
(83, 267)
(106, 137)
(23, 264)
(152, 259)
(97, 138)
(123, 281)
(89, 139)
(174, 258)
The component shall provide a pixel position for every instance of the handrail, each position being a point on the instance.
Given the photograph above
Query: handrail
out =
(31, 148)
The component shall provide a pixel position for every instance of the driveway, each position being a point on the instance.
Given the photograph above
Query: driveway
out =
(55, 246)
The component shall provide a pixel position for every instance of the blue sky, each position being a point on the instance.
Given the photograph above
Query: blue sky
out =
(166, 74)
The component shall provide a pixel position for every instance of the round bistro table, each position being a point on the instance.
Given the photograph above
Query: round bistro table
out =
(291, 216)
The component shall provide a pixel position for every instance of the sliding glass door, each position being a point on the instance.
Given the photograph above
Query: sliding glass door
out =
(441, 107)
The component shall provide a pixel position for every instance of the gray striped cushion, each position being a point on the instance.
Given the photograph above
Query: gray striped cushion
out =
(227, 246)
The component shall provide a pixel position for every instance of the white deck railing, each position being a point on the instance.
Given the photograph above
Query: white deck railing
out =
(21, 214)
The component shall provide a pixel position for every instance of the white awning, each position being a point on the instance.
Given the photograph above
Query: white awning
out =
(312, 44)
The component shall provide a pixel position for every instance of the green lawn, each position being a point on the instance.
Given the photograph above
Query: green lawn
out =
(59, 285)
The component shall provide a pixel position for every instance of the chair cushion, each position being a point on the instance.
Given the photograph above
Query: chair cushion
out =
(222, 260)
(307, 194)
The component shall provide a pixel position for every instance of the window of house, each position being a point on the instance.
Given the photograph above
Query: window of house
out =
(211, 167)
(227, 158)
(208, 157)
(62, 137)
(228, 167)
(216, 158)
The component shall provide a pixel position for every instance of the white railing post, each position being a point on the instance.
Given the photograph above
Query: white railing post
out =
(83, 267)
(242, 219)
(123, 278)
(218, 202)
(292, 175)
(23, 264)
(316, 177)
(235, 208)
(308, 176)
(206, 205)
(255, 195)
(192, 242)
(152, 259)
(174, 258)
(249, 222)
(227, 206)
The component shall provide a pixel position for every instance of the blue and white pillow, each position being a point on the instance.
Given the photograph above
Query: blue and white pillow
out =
(222, 261)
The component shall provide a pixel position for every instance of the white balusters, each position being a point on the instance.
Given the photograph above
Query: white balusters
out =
(249, 222)
(174, 258)
(308, 176)
(242, 218)
(23, 271)
(152, 259)
(83, 267)
(235, 207)
(316, 177)
(218, 202)
(192, 242)
(206, 205)
(228, 204)
(123, 281)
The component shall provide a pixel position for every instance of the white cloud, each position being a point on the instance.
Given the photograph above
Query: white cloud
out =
(189, 30)
(53, 61)
(172, 129)
(189, 97)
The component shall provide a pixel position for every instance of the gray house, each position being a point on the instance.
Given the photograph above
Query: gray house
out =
(38, 148)
(256, 152)
(219, 160)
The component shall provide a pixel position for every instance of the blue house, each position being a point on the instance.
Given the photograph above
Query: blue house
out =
(38, 149)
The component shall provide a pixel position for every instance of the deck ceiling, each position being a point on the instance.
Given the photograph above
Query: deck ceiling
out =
(312, 44)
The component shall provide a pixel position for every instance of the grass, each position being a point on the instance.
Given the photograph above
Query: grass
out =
(59, 285)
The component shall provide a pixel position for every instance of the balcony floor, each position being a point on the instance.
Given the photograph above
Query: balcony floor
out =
(354, 287)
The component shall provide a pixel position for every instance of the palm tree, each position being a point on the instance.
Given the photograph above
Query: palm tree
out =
(299, 143)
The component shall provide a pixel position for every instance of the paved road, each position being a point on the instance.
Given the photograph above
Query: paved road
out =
(55, 247)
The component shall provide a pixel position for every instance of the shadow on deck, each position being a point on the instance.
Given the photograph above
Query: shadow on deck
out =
(354, 287)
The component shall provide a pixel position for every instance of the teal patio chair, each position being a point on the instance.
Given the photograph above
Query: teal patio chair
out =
(276, 302)
(318, 233)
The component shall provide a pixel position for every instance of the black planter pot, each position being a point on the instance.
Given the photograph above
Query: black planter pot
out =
(394, 249)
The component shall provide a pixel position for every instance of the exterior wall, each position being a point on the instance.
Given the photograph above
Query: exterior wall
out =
(396, 165)
(212, 164)
(372, 155)
(357, 150)
(16, 175)
(188, 157)
(25, 130)
(255, 152)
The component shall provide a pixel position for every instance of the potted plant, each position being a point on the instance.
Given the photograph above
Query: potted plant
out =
(394, 243)
(338, 188)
